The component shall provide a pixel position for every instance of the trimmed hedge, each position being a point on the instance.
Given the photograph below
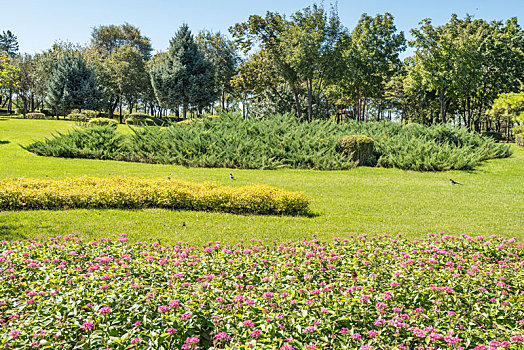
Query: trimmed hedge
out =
(359, 147)
(35, 115)
(77, 117)
(519, 139)
(102, 122)
(133, 193)
(140, 121)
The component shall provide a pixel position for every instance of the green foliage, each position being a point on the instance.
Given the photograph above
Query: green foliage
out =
(98, 142)
(282, 142)
(359, 147)
(185, 77)
(8, 44)
(72, 85)
(519, 139)
(109, 38)
(36, 115)
(102, 122)
(497, 136)
(138, 121)
(77, 117)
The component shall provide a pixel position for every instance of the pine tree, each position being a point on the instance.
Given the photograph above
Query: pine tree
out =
(72, 84)
(185, 78)
(8, 44)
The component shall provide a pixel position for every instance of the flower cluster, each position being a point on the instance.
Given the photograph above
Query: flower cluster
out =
(378, 292)
(129, 192)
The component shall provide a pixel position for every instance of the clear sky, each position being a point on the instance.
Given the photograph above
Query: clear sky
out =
(38, 23)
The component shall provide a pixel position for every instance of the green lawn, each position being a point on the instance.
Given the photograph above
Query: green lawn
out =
(360, 201)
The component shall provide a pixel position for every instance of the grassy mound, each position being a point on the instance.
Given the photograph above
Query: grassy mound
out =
(130, 193)
(279, 142)
(363, 293)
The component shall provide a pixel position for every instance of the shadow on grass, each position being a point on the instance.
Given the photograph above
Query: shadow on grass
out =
(3, 142)
(308, 214)
(8, 232)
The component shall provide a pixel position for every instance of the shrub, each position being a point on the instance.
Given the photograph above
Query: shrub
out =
(35, 115)
(77, 117)
(102, 122)
(372, 293)
(359, 147)
(519, 139)
(90, 113)
(285, 142)
(97, 142)
(123, 192)
(140, 121)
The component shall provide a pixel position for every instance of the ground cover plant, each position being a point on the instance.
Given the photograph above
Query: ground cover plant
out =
(279, 142)
(363, 200)
(134, 193)
(365, 292)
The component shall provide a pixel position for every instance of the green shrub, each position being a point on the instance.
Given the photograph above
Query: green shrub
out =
(286, 142)
(90, 113)
(139, 121)
(102, 122)
(519, 139)
(359, 147)
(35, 115)
(77, 117)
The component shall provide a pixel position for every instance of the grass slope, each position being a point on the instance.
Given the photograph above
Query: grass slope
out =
(360, 201)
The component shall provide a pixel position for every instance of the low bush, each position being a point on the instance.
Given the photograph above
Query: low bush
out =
(359, 147)
(97, 142)
(362, 293)
(90, 113)
(102, 122)
(77, 117)
(35, 115)
(519, 139)
(139, 121)
(285, 142)
(497, 136)
(131, 193)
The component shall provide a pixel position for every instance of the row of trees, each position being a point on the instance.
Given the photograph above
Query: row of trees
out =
(308, 63)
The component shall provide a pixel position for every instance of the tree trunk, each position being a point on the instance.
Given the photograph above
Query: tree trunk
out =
(309, 100)
(297, 102)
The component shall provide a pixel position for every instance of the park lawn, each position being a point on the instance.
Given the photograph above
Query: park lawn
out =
(360, 201)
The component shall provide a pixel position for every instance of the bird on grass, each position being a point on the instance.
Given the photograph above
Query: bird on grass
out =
(232, 177)
(454, 182)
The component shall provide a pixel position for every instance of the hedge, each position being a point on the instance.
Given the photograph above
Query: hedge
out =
(133, 193)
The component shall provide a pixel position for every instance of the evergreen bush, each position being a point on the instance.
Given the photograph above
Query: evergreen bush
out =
(359, 147)
(35, 115)
(519, 139)
(282, 142)
(102, 122)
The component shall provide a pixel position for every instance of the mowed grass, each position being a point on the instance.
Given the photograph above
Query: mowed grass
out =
(360, 201)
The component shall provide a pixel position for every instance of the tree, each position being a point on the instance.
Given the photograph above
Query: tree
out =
(185, 78)
(511, 106)
(222, 53)
(8, 44)
(128, 72)
(109, 38)
(71, 85)
(370, 58)
(300, 50)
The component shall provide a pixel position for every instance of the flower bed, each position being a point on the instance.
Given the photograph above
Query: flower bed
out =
(362, 293)
(127, 192)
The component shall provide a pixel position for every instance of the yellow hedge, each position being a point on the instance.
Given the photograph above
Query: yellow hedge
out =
(128, 192)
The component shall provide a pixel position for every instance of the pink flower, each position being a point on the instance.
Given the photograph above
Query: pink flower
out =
(372, 333)
(105, 310)
(366, 347)
(136, 340)
(163, 308)
(255, 333)
(356, 336)
(171, 330)
(222, 336)
(309, 329)
(248, 323)
(87, 325)
(14, 334)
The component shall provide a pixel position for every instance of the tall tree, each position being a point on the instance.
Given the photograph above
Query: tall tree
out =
(71, 85)
(109, 38)
(8, 43)
(186, 77)
(222, 53)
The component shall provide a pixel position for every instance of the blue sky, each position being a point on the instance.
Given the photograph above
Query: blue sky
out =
(38, 24)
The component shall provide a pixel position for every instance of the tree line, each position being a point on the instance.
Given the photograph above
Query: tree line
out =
(308, 63)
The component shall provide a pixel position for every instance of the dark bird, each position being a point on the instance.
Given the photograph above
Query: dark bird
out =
(183, 223)
(232, 177)
(354, 275)
(454, 182)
